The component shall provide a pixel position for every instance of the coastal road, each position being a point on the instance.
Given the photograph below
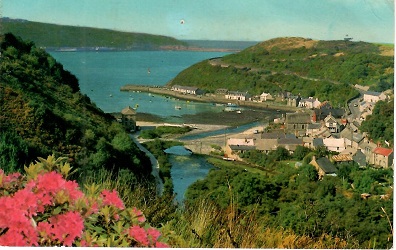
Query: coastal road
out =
(154, 163)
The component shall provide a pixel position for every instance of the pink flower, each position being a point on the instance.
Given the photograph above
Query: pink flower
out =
(154, 234)
(139, 234)
(111, 198)
(139, 215)
(161, 245)
(63, 227)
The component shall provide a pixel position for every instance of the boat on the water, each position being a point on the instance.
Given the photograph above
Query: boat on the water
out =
(177, 107)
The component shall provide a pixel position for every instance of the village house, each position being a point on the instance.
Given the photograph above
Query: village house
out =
(352, 138)
(266, 97)
(323, 112)
(323, 166)
(236, 146)
(128, 118)
(293, 101)
(373, 97)
(335, 144)
(236, 95)
(383, 157)
(367, 147)
(187, 90)
(360, 159)
(297, 123)
(271, 141)
(309, 103)
(332, 124)
(290, 143)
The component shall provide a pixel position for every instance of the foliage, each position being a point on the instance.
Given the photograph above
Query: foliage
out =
(55, 36)
(326, 70)
(42, 208)
(293, 198)
(162, 131)
(43, 112)
(380, 125)
(157, 147)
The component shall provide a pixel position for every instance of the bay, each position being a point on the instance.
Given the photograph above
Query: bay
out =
(102, 74)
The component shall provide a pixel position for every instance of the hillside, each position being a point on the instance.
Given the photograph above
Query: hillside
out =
(52, 36)
(323, 69)
(43, 113)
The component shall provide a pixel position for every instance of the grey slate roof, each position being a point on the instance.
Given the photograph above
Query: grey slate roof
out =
(326, 165)
(360, 158)
(298, 118)
(317, 142)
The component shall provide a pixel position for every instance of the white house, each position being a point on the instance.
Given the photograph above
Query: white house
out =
(335, 144)
(187, 90)
(373, 97)
(309, 103)
(265, 97)
(236, 95)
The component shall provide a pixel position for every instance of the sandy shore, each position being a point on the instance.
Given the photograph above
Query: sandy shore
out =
(205, 145)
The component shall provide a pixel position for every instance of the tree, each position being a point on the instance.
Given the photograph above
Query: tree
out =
(300, 152)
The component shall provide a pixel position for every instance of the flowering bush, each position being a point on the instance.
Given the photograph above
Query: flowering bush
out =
(42, 208)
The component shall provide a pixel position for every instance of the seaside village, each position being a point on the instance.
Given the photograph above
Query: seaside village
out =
(314, 124)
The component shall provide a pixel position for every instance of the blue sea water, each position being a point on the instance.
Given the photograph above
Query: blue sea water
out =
(102, 74)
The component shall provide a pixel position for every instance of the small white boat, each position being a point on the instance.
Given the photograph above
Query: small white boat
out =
(177, 107)
(239, 112)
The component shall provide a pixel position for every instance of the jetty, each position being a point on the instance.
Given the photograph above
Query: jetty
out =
(216, 99)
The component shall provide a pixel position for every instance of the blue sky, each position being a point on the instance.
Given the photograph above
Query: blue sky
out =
(244, 20)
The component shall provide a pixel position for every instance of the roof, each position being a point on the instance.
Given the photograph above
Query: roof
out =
(359, 158)
(185, 87)
(326, 165)
(373, 93)
(266, 144)
(290, 141)
(242, 147)
(334, 142)
(330, 118)
(314, 126)
(342, 157)
(317, 142)
(128, 111)
(298, 117)
(383, 151)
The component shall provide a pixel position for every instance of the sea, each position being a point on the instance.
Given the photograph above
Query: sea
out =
(102, 74)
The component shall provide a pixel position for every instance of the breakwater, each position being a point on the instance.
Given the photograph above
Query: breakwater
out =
(209, 97)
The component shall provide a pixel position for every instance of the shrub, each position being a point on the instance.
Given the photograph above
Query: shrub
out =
(42, 208)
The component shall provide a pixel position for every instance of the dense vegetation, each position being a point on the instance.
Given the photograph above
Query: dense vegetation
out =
(162, 131)
(43, 112)
(56, 36)
(291, 197)
(323, 69)
(380, 125)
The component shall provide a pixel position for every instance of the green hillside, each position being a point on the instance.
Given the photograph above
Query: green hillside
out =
(323, 69)
(57, 36)
(43, 113)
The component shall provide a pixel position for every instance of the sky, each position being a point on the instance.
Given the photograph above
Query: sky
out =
(235, 20)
